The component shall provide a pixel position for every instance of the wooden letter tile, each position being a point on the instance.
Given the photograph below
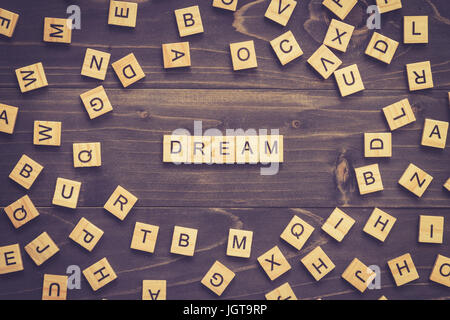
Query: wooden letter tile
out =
(358, 275)
(41, 249)
(99, 274)
(66, 193)
(8, 116)
(154, 289)
(340, 8)
(297, 232)
(431, 229)
(338, 224)
(57, 30)
(183, 241)
(223, 149)
(175, 148)
(286, 48)
(96, 102)
(280, 11)
(403, 269)
(86, 234)
(378, 145)
(239, 243)
(419, 76)
(243, 55)
(8, 22)
(47, 133)
(415, 29)
(189, 21)
(379, 224)
(271, 148)
(369, 179)
(338, 35)
(144, 237)
(176, 55)
(283, 292)
(381, 48)
(120, 203)
(318, 263)
(247, 149)
(434, 133)
(128, 70)
(122, 13)
(218, 278)
(349, 80)
(87, 154)
(54, 287)
(226, 4)
(415, 180)
(399, 114)
(25, 172)
(274, 263)
(31, 77)
(441, 271)
(21, 211)
(388, 5)
(95, 64)
(10, 259)
(447, 184)
(324, 61)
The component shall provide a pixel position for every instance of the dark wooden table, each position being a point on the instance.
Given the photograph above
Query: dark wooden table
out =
(323, 143)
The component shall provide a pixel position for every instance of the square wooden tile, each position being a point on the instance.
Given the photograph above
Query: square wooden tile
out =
(431, 229)
(218, 278)
(95, 64)
(415, 180)
(226, 4)
(239, 243)
(441, 269)
(183, 241)
(41, 249)
(447, 184)
(340, 8)
(434, 133)
(388, 5)
(10, 259)
(57, 30)
(25, 172)
(122, 13)
(297, 232)
(120, 203)
(223, 149)
(9, 21)
(128, 70)
(99, 274)
(420, 76)
(66, 193)
(54, 287)
(21, 211)
(154, 290)
(399, 114)
(274, 263)
(415, 29)
(47, 133)
(318, 263)
(96, 102)
(175, 148)
(247, 149)
(31, 77)
(349, 80)
(283, 292)
(369, 179)
(86, 234)
(271, 149)
(199, 149)
(286, 48)
(358, 275)
(176, 55)
(324, 61)
(378, 145)
(280, 11)
(379, 224)
(189, 21)
(144, 237)
(243, 55)
(403, 269)
(87, 154)
(8, 116)
(338, 35)
(381, 48)
(338, 224)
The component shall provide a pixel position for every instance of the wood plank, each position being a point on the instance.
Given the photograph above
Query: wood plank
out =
(183, 274)
(211, 62)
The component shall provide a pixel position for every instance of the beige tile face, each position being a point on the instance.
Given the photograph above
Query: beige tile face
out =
(358, 275)
(86, 234)
(399, 114)
(318, 263)
(403, 269)
(54, 287)
(95, 64)
(122, 13)
(25, 172)
(419, 75)
(274, 263)
(218, 278)
(379, 224)
(154, 290)
(431, 229)
(21, 211)
(382, 48)
(120, 203)
(31, 77)
(66, 193)
(415, 180)
(47, 133)
(388, 5)
(324, 61)
(128, 70)
(41, 249)
(226, 4)
(415, 29)
(96, 102)
(369, 179)
(239, 243)
(243, 55)
(87, 155)
(297, 232)
(338, 35)
(378, 145)
(99, 274)
(283, 292)
(10, 259)
(340, 8)
(280, 11)
(338, 224)
(8, 116)
(189, 21)
(184, 241)
(9, 21)
(176, 55)
(441, 270)
(57, 30)
(144, 237)
(349, 80)
(286, 48)
(434, 133)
